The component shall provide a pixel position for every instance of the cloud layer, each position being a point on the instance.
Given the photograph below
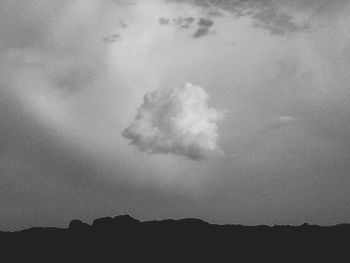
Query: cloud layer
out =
(204, 24)
(176, 120)
(266, 14)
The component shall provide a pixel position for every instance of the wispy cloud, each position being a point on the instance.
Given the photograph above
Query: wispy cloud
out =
(182, 22)
(266, 14)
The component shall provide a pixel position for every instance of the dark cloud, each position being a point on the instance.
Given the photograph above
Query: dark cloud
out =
(182, 22)
(122, 24)
(164, 21)
(189, 20)
(267, 14)
(205, 22)
(202, 31)
(112, 38)
(276, 22)
(204, 27)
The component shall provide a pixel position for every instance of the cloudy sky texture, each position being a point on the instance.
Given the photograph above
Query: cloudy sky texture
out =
(233, 111)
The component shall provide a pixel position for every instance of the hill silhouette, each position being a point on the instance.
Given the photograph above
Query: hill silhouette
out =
(116, 238)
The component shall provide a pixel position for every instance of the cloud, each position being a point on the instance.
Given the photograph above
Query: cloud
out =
(176, 120)
(202, 31)
(122, 24)
(205, 22)
(112, 38)
(276, 22)
(164, 21)
(204, 26)
(268, 14)
(182, 22)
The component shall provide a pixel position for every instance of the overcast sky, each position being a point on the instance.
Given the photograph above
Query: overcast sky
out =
(232, 111)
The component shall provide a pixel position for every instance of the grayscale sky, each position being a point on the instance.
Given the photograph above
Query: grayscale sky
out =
(232, 111)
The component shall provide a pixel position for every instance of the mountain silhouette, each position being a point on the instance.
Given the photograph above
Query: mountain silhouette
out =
(125, 239)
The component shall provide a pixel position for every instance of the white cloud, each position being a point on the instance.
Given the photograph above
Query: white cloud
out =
(176, 120)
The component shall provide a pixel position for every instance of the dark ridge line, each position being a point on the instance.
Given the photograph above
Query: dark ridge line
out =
(125, 239)
(129, 221)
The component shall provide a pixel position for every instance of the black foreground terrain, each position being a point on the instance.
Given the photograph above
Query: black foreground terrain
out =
(125, 239)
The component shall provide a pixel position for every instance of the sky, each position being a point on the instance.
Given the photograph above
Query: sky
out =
(232, 111)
